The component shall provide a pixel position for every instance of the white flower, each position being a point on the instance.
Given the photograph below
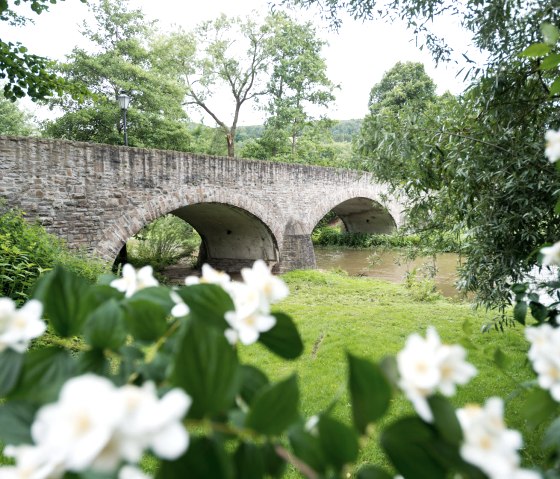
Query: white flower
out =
(209, 276)
(545, 343)
(150, 422)
(31, 463)
(248, 320)
(80, 425)
(19, 326)
(551, 254)
(552, 151)
(131, 472)
(427, 366)
(271, 288)
(180, 309)
(488, 444)
(133, 280)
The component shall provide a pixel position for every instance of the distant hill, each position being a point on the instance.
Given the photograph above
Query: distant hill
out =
(342, 132)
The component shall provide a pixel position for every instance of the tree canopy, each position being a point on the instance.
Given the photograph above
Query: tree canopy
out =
(122, 60)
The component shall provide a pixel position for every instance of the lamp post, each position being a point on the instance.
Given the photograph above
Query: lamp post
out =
(124, 101)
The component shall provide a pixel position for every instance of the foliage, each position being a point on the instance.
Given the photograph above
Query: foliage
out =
(27, 251)
(26, 73)
(163, 242)
(13, 120)
(297, 81)
(121, 60)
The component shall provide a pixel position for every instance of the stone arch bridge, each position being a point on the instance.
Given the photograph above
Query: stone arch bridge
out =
(97, 196)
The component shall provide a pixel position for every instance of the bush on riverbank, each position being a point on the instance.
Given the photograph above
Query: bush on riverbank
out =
(333, 236)
(27, 251)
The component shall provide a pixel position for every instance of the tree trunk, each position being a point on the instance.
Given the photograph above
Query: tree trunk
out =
(230, 145)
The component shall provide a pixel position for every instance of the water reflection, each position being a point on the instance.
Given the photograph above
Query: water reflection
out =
(388, 265)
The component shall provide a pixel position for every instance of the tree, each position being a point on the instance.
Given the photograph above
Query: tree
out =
(229, 52)
(122, 60)
(26, 73)
(13, 121)
(298, 80)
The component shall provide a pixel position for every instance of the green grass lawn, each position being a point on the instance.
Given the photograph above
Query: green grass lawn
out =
(372, 319)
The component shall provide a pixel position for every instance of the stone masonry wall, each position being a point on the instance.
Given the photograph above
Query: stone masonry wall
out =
(97, 196)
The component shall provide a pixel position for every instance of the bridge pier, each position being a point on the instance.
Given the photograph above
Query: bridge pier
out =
(297, 253)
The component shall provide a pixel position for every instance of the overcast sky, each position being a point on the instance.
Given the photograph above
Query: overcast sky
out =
(357, 55)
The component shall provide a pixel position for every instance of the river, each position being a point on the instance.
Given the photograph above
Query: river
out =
(388, 265)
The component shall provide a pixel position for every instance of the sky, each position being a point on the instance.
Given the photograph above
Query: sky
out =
(357, 54)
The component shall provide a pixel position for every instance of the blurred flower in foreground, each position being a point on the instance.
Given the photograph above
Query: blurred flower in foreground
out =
(552, 151)
(551, 254)
(19, 326)
(427, 366)
(133, 280)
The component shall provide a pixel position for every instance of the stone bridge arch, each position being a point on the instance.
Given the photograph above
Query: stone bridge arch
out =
(235, 230)
(362, 210)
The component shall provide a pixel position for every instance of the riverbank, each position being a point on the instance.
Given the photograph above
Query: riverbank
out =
(372, 318)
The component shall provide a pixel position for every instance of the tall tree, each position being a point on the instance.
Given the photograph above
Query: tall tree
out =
(225, 53)
(297, 82)
(121, 60)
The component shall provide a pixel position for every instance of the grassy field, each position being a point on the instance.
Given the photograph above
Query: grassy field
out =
(372, 319)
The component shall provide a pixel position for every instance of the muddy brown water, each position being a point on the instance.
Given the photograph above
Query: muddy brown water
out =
(389, 265)
(386, 265)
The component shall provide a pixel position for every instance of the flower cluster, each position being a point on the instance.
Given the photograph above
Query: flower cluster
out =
(552, 151)
(488, 444)
(251, 298)
(19, 326)
(133, 280)
(427, 366)
(97, 426)
(545, 341)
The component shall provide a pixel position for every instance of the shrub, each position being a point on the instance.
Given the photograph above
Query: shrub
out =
(27, 251)
(163, 242)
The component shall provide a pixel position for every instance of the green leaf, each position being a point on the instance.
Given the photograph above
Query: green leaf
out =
(106, 327)
(249, 461)
(63, 295)
(283, 339)
(445, 420)
(554, 89)
(372, 472)
(10, 367)
(252, 381)
(550, 33)
(370, 392)
(557, 206)
(208, 303)
(500, 358)
(145, 320)
(274, 465)
(538, 311)
(519, 288)
(552, 435)
(93, 361)
(43, 373)
(537, 407)
(205, 458)
(206, 367)
(338, 441)
(275, 407)
(520, 312)
(307, 447)
(156, 295)
(15, 423)
(535, 50)
(407, 443)
(550, 61)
